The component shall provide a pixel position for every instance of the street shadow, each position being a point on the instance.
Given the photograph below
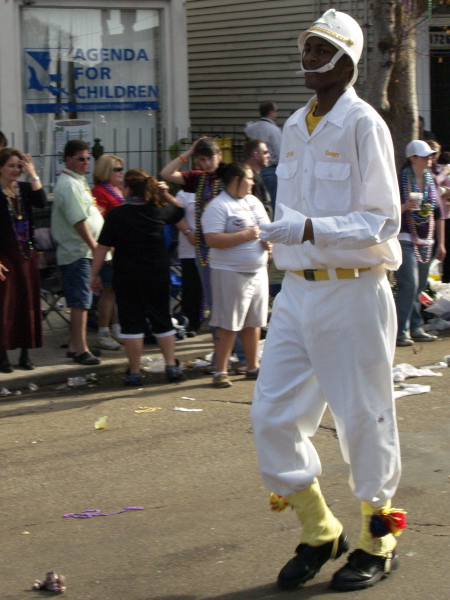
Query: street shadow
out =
(105, 391)
(263, 592)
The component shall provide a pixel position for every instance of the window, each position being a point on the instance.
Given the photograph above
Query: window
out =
(91, 73)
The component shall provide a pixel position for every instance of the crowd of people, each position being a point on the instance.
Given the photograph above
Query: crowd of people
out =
(80, 214)
(111, 242)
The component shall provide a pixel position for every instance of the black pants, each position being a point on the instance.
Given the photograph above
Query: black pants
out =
(191, 294)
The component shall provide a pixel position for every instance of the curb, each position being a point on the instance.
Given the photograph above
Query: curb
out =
(56, 374)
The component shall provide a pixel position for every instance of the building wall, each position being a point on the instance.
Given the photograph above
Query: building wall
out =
(242, 52)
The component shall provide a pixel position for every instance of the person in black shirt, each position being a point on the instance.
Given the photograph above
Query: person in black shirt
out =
(141, 265)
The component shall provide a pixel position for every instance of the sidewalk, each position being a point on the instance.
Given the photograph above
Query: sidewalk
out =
(53, 367)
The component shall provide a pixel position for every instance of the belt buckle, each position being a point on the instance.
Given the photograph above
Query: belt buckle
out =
(309, 274)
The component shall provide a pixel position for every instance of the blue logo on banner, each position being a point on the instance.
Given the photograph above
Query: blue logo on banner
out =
(92, 83)
(38, 76)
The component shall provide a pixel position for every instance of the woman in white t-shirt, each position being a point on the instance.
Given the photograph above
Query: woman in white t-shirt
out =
(238, 263)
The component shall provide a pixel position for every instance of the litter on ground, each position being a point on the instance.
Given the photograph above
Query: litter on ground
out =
(404, 371)
(411, 389)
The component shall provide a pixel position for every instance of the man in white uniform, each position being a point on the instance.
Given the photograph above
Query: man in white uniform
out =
(331, 338)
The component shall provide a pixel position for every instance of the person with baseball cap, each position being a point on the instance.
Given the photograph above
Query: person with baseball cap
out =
(331, 339)
(421, 220)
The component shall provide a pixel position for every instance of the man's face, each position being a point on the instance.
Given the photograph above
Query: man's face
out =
(79, 162)
(262, 156)
(317, 53)
(274, 113)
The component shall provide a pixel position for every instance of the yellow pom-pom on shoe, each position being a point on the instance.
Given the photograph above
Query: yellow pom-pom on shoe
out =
(278, 503)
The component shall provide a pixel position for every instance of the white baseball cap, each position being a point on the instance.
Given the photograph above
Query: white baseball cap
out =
(418, 148)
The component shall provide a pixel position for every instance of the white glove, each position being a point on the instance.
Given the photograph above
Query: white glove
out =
(288, 229)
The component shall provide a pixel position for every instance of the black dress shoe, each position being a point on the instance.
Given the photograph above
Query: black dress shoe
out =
(25, 363)
(363, 570)
(6, 367)
(94, 352)
(86, 358)
(308, 561)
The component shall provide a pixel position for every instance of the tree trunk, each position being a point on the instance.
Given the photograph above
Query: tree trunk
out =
(391, 87)
(382, 56)
(402, 118)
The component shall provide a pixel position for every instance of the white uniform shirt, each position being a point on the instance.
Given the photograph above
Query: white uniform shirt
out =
(343, 177)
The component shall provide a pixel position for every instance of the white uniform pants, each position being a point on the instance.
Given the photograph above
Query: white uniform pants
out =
(329, 342)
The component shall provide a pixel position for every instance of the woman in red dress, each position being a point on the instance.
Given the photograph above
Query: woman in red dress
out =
(20, 305)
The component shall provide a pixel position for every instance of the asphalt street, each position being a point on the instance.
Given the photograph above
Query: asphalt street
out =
(205, 530)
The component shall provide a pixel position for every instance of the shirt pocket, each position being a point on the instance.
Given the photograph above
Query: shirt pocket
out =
(287, 170)
(287, 182)
(333, 187)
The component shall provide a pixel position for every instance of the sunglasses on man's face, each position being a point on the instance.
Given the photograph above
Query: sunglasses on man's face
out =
(82, 158)
(118, 169)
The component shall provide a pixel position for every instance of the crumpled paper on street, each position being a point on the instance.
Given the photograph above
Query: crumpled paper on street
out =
(199, 362)
(410, 389)
(153, 365)
(181, 409)
(404, 371)
(101, 423)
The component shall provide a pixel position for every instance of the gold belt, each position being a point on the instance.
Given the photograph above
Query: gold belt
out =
(324, 274)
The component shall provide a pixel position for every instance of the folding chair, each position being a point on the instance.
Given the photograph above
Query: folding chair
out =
(175, 288)
(51, 285)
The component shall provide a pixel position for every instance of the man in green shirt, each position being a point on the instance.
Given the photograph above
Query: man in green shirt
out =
(76, 225)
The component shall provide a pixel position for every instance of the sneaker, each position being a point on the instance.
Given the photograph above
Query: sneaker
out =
(238, 369)
(419, 335)
(106, 342)
(174, 372)
(134, 379)
(252, 374)
(309, 560)
(363, 570)
(221, 380)
(404, 341)
(119, 340)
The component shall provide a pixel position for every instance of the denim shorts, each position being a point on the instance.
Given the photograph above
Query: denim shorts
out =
(106, 275)
(75, 280)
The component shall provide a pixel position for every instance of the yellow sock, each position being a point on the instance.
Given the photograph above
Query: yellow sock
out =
(319, 524)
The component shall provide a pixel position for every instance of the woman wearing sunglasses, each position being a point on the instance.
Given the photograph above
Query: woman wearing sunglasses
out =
(108, 179)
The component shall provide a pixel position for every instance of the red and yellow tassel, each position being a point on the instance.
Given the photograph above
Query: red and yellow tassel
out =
(388, 521)
(278, 503)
